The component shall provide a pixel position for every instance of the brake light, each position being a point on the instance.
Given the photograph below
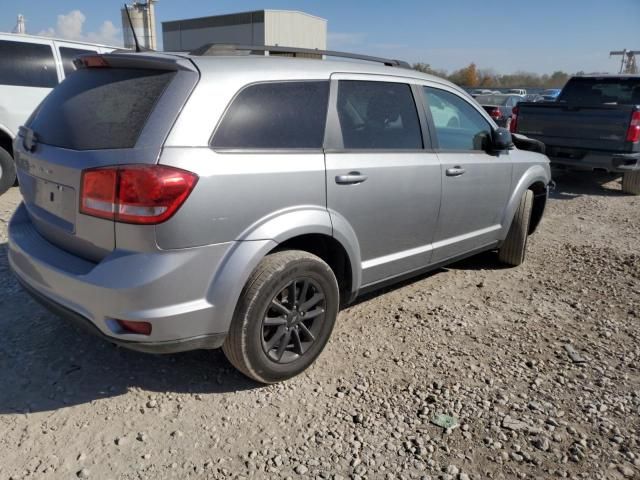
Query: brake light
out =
(140, 194)
(94, 61)
(513, 126)
(633, 133)
(495, 113)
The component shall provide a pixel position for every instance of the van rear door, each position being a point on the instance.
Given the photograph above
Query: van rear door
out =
(115, 110)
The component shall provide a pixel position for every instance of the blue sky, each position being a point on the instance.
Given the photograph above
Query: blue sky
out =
(508, 35)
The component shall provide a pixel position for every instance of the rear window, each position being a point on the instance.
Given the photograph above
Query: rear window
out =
(275, 115)
(602, 90)
(68, 55)
(99, 108)
(27, 65)
(492, 99)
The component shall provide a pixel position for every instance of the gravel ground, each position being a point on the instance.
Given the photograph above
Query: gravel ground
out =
(483, 344)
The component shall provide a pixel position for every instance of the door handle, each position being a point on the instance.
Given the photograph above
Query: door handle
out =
(455, 171)
(352, 178)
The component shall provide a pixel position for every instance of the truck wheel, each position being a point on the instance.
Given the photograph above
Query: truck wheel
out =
(631, 182)
(7, 171)
(284, 316)
(512, 251)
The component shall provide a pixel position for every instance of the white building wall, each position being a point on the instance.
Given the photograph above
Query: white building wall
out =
(295, 29)
(191, 39)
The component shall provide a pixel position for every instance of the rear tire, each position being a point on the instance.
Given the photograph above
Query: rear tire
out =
(281, 326)
(7, 171)
(631, 182)
(512, 251)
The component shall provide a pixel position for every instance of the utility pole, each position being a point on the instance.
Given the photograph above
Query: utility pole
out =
(628, 61)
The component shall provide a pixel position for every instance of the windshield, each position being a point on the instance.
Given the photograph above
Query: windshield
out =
(602, 90)
(492, 99)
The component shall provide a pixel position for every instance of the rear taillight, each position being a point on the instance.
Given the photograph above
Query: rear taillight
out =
(513, 126)
(633, 132)
(495, 113)
(141, 194)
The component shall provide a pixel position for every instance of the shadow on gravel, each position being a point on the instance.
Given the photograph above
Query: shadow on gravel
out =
(46, 364)
(482, 261)
(575, 184)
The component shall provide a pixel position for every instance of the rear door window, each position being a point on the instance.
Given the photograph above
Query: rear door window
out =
(68, 55)
(27, 64)
(99, 108)
(378, 115)
(280, 115)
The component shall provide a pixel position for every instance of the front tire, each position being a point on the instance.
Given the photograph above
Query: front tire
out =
(284, 317)
(7, 171)
(512, 251)
(631, 182)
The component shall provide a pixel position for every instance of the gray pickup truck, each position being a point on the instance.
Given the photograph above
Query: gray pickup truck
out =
(594, 125)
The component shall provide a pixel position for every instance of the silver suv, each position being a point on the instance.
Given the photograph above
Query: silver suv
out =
(176, 202)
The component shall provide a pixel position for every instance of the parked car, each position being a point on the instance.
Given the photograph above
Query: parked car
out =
(30, 67)
(551, 94)
(517, 91)
(593, 125)
(533, 97)
(480, 91)
(499, 107)
(237, 201)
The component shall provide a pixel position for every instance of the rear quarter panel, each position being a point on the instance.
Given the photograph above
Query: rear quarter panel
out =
(238, 195)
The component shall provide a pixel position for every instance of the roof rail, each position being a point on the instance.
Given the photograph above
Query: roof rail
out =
(235, 49)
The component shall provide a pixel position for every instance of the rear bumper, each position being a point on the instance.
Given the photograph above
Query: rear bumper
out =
(590, 160)
(204, 341)
(165, 288)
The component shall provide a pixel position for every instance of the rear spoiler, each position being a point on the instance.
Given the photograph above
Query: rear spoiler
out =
(128, 59)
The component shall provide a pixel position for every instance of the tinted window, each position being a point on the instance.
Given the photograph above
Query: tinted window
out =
(68, 54)
(595, 91)
(276, 115)
(459, 126)
(378, 115)
(99, 108)
(27, 65)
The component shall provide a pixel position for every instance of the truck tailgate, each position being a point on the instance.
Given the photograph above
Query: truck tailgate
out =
(597, 127)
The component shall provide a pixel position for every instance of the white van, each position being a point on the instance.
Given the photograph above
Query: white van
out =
(30, 67)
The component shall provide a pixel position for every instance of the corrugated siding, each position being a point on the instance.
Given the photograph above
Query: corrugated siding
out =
(295, 29)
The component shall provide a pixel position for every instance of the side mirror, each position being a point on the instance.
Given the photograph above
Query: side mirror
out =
(502, 139)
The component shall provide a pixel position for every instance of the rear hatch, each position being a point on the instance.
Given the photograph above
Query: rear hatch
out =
(115, 109)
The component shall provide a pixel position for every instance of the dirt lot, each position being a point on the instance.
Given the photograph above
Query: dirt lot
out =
(483, 344)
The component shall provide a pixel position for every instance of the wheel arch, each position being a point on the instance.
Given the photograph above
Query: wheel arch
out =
(6, 140)
(309, 229)
(536, 179)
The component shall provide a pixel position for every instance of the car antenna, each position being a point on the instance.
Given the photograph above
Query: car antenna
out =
(135, 37)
